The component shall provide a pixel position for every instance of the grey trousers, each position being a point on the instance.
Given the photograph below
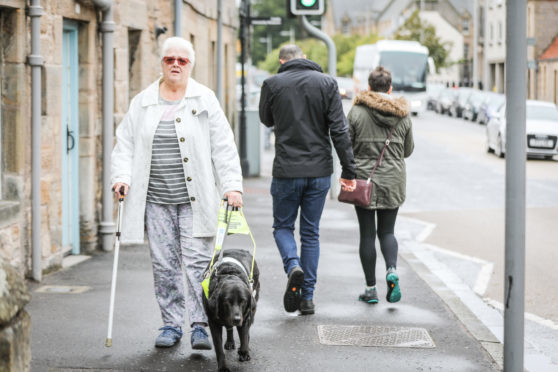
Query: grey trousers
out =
(174, 250)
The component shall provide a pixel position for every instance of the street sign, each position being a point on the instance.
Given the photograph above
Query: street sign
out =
(267, 21)
(307, 7)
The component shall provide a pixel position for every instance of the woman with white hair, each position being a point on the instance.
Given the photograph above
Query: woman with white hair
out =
(174, 158)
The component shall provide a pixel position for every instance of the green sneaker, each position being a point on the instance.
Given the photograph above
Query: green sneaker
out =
(392, 279)
(370, 296)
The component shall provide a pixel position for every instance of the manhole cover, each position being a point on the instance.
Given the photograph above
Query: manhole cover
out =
(375, 336)
(63, 289)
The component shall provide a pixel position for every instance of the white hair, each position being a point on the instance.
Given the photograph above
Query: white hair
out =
(179, 43)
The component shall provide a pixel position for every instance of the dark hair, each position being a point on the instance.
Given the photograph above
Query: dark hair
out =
(379, 80)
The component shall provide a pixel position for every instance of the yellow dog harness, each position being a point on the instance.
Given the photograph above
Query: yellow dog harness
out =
(229, 221)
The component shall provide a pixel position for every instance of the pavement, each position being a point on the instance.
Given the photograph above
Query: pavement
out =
(430, 329)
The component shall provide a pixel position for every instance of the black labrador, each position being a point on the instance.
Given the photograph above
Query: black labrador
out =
(232, 303)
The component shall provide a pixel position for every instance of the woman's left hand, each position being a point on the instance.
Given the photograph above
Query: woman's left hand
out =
(234, 198)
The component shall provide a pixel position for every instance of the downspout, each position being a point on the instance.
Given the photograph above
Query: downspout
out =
(178, 18)
(219, 87)
(106, 228)
(35, 60)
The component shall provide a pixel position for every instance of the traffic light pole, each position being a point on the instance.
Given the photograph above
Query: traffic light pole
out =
(332, 70)
(331, 50)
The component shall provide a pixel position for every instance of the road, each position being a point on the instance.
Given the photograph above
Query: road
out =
(456, 185)
(458, 189)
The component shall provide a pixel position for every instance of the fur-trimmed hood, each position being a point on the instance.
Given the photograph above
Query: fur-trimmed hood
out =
(385, 104)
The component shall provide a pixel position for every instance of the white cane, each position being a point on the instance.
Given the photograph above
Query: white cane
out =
(108, 343)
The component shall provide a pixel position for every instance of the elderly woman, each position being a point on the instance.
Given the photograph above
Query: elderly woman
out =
(171, 146)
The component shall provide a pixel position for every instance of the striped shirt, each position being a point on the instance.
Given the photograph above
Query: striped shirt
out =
(166, 179)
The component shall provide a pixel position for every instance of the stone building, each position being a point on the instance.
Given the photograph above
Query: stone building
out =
(71, 120)
(541, 29)
(547, 89)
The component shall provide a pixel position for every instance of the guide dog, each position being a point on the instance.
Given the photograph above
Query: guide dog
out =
(231, 302)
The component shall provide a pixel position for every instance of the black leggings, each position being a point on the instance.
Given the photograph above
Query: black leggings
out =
(388, 243)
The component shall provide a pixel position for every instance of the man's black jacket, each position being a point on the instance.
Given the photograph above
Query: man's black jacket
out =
(304, 106)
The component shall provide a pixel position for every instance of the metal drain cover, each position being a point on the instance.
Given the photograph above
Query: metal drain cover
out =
(62, 289)
(375, 336)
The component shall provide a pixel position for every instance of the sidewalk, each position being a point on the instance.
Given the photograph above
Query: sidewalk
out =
(69, 330)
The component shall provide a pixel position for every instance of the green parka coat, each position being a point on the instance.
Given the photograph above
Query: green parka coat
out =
(371, 118)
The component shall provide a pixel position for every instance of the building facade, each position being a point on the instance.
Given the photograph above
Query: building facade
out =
(547, 67)
(541, 29)
(71, 120)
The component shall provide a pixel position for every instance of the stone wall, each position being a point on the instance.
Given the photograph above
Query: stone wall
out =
(15, 324)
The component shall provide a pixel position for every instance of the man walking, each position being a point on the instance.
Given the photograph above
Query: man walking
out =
(304, 107)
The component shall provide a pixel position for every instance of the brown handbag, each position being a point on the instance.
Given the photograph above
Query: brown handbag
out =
(360, 196)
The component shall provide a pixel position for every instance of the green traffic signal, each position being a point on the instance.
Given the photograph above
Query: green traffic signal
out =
(306, 7)
(308, 3)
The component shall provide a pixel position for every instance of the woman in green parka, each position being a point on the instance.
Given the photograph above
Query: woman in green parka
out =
(375, 113)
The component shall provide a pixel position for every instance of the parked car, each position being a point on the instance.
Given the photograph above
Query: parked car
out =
(445, 99)
(541, 128)
(493, 103)
(432, 92)
(346, 87)
(474, 102)
(458, 104)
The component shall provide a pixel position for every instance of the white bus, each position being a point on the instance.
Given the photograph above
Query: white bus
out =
(408, 63)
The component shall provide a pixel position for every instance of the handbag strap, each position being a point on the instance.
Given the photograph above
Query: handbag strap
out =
(379, 161)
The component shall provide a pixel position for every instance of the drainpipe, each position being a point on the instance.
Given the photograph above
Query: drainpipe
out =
(177, 17)
(219, 87)
(35, 60)
(106, 228)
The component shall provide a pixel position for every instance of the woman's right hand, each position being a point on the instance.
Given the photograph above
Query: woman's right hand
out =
(120, 186)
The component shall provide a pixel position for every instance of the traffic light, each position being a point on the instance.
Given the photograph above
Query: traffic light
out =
(307, 7)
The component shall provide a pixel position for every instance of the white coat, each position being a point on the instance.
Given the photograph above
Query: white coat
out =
(210, 158)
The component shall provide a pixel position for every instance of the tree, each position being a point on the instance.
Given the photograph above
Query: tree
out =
(416, 29)
(316, 51)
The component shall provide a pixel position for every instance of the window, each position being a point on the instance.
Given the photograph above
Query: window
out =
(465, 27)
(500, 32)
(134, 63)
(554, 88)
(491, 32)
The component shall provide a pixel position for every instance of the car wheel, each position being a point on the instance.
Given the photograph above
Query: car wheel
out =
(499, 151)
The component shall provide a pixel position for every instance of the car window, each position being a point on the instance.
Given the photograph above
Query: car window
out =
(539, 112)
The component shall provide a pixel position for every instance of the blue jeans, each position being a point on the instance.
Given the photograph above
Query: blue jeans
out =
(288, 195)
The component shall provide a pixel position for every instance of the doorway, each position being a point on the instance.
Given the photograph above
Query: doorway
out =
(70, 139)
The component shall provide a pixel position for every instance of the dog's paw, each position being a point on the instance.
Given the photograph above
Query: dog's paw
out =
(229, 345)
(224, 369)
(243, 356)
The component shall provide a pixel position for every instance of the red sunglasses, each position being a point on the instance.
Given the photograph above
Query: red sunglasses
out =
(181, 61)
